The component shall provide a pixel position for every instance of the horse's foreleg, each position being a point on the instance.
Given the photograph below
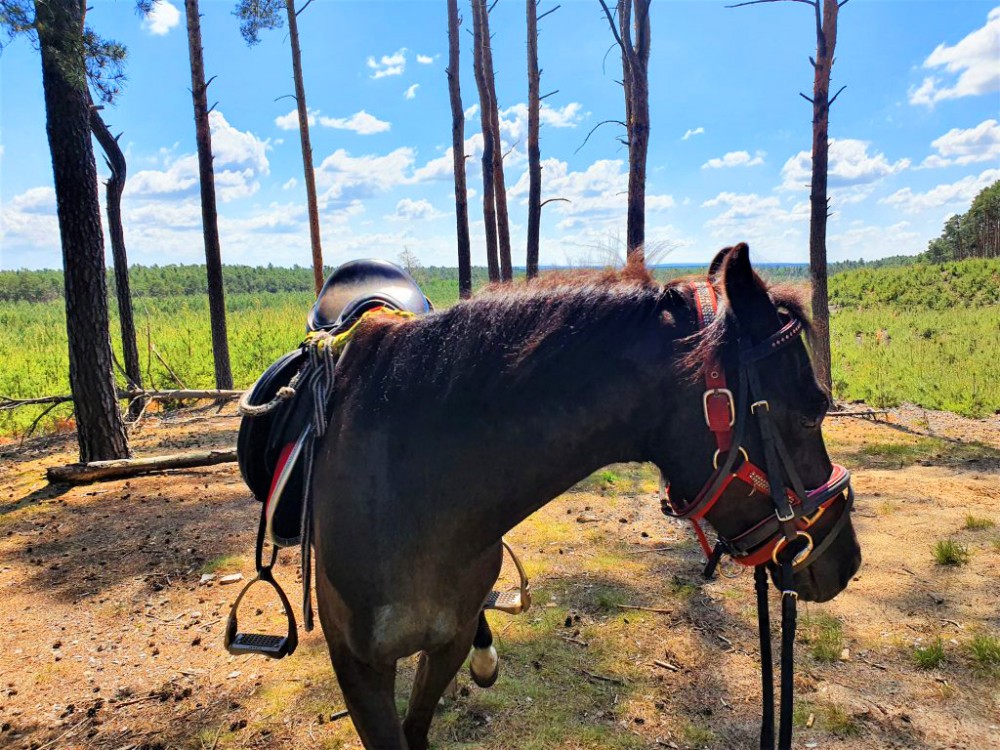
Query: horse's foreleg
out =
(369, 695)
(434, 673)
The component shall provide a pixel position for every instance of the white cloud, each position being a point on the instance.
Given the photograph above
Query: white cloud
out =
(425, 59)
(750, 217)
(411, 93)
(974, 60)
(596, 197)
(867, 241)
(291, 120)
(292, 182)
(968, 146)
(736, 159)
(361, 123)
(240, 160)
(344, 177)
(958, 193)
(415, 210)
(850, 164)
(471, 112)
(162, 17)
(388, 65)
(697, 131)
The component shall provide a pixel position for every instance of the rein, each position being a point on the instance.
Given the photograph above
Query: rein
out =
(782, 537)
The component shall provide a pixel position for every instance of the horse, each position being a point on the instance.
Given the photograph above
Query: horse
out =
(449, 429)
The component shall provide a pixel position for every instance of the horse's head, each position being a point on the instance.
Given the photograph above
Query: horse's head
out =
(753, 371)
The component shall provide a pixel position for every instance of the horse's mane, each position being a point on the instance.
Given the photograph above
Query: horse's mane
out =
(507, 331)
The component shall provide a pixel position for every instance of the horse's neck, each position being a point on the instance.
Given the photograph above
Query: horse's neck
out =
(529, 443)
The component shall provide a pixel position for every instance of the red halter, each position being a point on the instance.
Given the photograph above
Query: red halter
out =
(763, 541)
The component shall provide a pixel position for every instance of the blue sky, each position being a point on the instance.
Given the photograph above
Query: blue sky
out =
(915, 132)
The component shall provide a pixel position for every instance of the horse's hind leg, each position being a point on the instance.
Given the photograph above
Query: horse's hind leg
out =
(369, 693)
(434, 673)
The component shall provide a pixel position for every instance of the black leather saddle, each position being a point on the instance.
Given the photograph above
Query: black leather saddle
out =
(362, 285)
(264, 442)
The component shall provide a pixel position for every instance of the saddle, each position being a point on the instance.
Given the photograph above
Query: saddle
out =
(269, 445)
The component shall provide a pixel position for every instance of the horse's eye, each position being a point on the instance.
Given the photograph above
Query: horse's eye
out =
(811, 423)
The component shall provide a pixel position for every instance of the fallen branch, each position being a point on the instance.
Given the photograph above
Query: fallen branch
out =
(645, 609)
(129, 467)
(601, 677)
(9, 402)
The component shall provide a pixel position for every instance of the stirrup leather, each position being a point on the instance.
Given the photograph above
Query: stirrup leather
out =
(511, 602)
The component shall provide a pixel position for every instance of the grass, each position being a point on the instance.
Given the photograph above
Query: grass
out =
(824, 634)
(978, 523)
(929, 656)
(222, 563)
(950, 552)
(985, 652)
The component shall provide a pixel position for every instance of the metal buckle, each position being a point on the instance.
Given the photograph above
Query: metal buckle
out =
(732, 404)
(810, 520)
(789, 517)
(801, 556)
(715, 458)
(755, 404)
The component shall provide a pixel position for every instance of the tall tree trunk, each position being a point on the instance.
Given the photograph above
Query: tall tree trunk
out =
(100, 431)
(534, 154)
(115, 160)
(489, 146)
(826, 43)
(458, 154)
(635, 83)
(307, 160)
(209, 212)
(500, 187)
(639, 135)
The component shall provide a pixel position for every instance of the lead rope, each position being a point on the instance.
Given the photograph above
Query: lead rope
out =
(766, 667)
(789, 597)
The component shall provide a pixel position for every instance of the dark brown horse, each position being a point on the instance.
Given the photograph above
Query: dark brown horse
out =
(450, 429)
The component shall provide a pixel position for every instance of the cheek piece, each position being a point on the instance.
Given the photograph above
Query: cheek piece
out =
(783, 538)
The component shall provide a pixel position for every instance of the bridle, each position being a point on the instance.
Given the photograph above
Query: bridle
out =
(783, 537)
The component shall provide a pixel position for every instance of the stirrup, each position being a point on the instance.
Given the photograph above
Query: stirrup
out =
(511, 602)
(271, 646)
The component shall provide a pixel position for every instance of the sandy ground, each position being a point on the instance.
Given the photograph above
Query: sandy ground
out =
(110, 641)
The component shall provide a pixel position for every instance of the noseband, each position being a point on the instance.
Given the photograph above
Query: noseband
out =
(783, 537)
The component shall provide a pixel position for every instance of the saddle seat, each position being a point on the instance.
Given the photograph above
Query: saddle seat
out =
(362, 285)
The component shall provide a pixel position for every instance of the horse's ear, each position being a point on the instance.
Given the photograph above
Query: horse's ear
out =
(746, 293)
(717, 261)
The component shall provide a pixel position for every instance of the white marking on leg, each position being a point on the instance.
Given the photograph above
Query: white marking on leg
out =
(484, 662)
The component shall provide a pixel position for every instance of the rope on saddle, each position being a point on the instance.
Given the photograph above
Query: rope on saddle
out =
(323, 350)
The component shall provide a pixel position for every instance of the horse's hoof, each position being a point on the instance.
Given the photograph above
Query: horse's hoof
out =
(484, 666)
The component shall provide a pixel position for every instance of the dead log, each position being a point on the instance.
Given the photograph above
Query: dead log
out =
(8, 402)
(97, 471)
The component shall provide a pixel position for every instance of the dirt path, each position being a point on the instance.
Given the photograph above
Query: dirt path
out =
(110, 641)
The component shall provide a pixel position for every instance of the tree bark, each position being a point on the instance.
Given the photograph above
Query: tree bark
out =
(499, 183)
(489, 146)
(209, 211)
(100, 430)
(639, 135)
(635, 83)
(307, 160)
(115, 160)
(458, 154)
(826, 43)
(534, 153)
